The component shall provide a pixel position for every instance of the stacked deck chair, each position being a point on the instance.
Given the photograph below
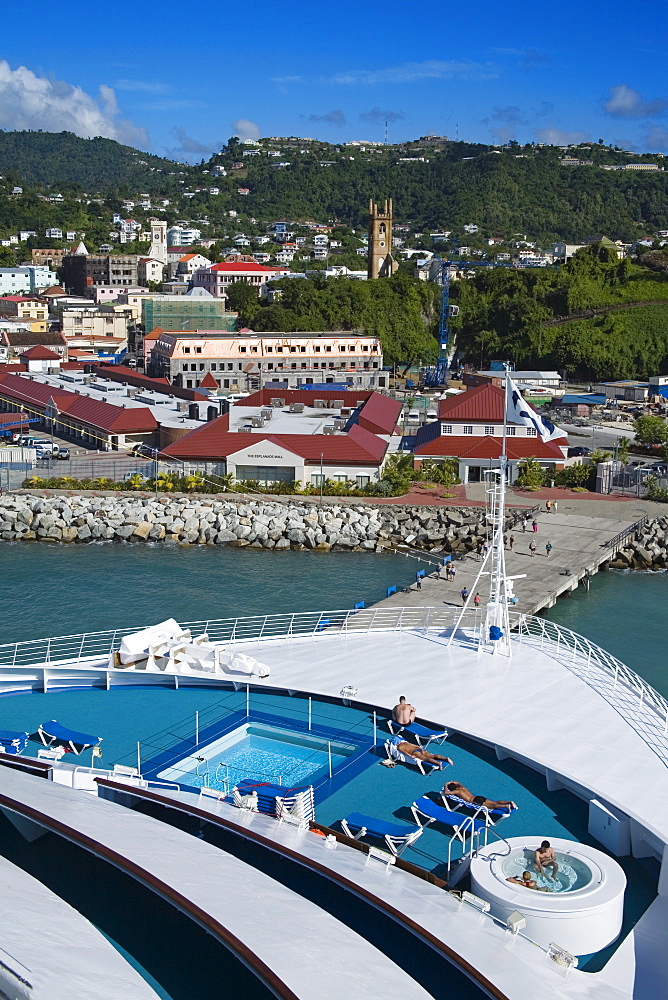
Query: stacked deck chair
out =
(12, 742)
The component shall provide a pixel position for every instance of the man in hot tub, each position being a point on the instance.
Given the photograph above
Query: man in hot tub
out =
(543, 858)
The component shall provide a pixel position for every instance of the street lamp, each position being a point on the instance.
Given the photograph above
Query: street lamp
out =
(321, 478)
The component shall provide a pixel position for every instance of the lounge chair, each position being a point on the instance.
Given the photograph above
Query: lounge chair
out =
(423, 735)
(397, 837)
(52, 732)
(394, 753)
(433, 813)
(489, 817)
(12, 742)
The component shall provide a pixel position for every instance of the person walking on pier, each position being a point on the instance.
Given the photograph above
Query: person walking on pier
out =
(524, 524)
(548, 506)
(554, 506)
(464, 595)
(534, 526)
(476, 600)
(548, 549)
(532, 548)
(512, 542)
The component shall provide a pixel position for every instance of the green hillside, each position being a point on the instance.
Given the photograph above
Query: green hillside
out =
(55, 159)
(596, 317)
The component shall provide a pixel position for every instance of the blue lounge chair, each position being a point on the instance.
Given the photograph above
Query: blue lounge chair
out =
(52, 732)
(490, 817)
(13, 742)
(394, 753)
(433, 813)
(397, 837)
(423, 735)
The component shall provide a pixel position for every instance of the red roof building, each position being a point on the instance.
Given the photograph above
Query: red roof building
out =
(356, 454)
(217, 277)
(95, 422)
(470, 429)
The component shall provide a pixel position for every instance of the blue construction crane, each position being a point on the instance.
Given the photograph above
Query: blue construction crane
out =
(437, 375)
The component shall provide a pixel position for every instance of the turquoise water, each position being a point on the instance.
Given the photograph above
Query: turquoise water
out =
(627, 614)
(63, 590)
(60, 590)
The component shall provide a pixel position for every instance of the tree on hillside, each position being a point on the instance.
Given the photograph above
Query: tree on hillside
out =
(242, 298)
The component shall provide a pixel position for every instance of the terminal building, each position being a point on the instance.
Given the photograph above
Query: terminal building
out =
(295, 436)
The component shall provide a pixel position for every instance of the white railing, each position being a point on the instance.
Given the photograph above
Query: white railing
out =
(638, 702)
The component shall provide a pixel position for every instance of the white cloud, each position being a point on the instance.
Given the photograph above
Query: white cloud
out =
(430, 69)
(287, 79)
(147, 86)
(558, 137)
(28, 101)
(246, 129)
(624, 102)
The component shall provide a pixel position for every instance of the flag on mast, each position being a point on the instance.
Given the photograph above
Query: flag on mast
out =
(519, 412)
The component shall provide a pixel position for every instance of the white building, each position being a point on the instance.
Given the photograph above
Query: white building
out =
(182, 235)
(25, 279)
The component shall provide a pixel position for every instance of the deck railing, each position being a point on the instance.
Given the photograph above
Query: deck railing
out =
(638, 702)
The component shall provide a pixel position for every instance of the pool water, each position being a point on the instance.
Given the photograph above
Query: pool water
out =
(572, 873)
(262, 753)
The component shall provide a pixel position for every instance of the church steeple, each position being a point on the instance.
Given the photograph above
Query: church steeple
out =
(380, 261)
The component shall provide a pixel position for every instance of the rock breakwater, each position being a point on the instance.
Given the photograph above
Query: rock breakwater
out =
(257, 523)
(646, 549)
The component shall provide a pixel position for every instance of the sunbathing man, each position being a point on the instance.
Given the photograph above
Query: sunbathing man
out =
(544, 857)
(527, 882)
(455, 788)
(403, 713)
(418, 753)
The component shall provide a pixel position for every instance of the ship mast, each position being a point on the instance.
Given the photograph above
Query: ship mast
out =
(496, 630)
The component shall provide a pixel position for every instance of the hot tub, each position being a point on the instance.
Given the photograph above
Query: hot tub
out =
(580, 909)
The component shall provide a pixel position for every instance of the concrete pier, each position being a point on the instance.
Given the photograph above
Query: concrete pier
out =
(580, 545)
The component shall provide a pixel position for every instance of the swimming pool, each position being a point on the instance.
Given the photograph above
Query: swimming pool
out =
(263, 753)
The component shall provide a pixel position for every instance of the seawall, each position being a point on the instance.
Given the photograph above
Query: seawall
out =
(259, 523)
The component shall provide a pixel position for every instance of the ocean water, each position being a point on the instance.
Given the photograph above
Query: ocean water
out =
(627, 614)
(60, 590)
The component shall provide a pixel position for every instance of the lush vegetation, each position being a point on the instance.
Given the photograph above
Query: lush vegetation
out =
(57, 159)
(401, 311)
(547, 318)
(398, 476)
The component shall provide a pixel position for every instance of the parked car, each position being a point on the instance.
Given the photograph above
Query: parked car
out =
(137, 476)
(578, 452)
(63, 453)
(661, 468)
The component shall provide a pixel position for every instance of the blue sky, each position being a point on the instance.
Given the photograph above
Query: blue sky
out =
(179, 79)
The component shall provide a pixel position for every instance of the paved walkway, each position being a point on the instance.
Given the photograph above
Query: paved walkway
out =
(577, 547)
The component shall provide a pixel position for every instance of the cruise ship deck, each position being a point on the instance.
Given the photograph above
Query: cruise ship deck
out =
(557, 726)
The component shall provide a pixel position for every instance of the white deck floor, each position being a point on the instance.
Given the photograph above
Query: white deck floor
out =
(64, 955)
(314, 954)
